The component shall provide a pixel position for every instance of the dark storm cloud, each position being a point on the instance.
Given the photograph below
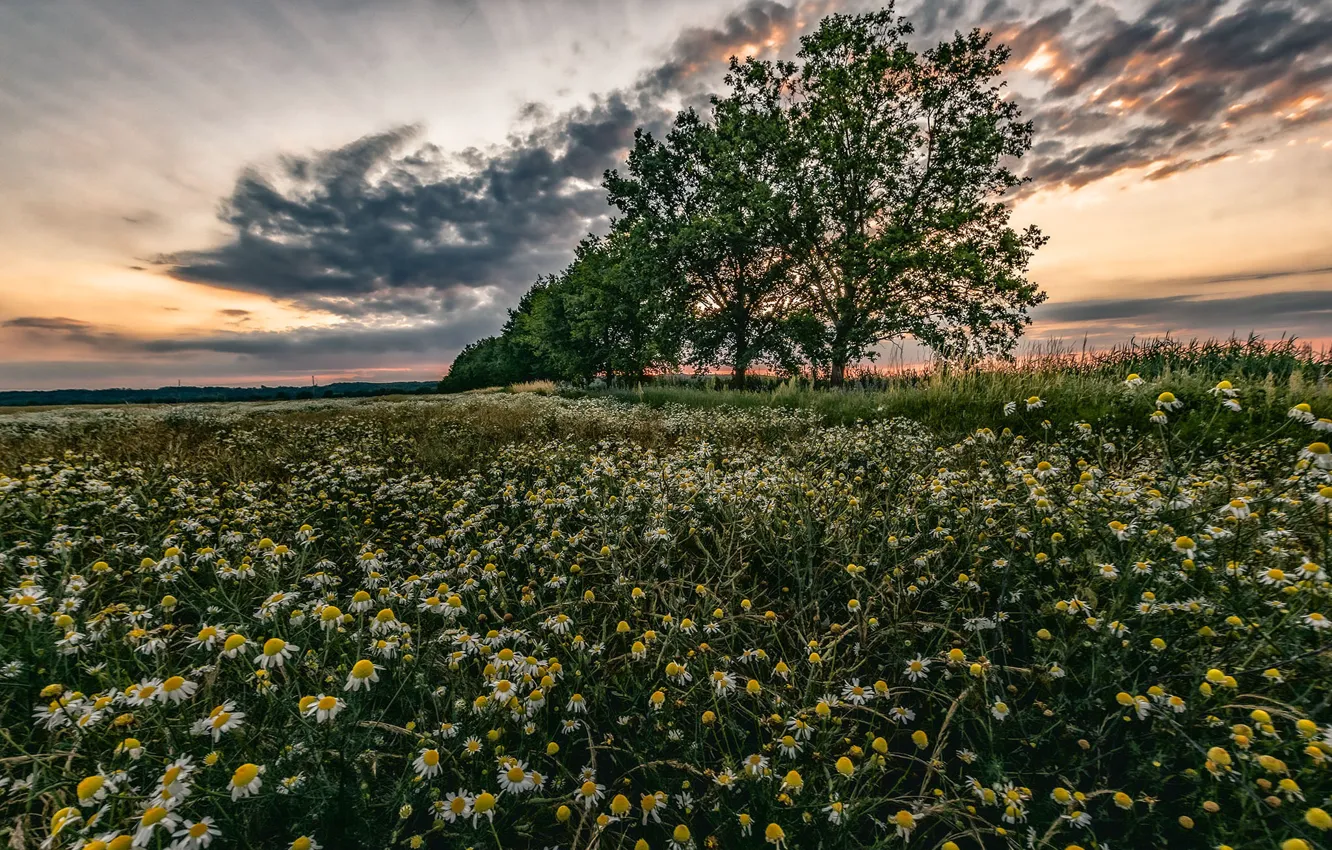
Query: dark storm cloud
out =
(385, 213)
(391, 225)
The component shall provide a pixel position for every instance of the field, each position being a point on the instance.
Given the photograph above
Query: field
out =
(1050, 609)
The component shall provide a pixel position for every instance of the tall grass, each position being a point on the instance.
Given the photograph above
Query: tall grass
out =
(1078, 385)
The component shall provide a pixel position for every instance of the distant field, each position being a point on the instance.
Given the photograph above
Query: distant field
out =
(1035, 611)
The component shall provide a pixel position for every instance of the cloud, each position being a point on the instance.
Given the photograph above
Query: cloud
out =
(1177, 86)
(391, 225)
(58, 324)
(301, 348)
(762, 26)
(356, 224)
(1253, 312)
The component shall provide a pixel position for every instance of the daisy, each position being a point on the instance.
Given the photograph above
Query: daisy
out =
(917, 668)
(756, 764)
(363, 674)
(515, 779)
(92, 789)
(208, 636)
(361, 602)
(176, 689)
(901, 714)
(325, 708)
(234, 645)
(275, 653)
(220, 720)
(457, 804)
(905, 822)
(680, 838)
(329, 617)
(1000, 710)
(143, 693)
(855, 693)
(245, 780)
(1274, 577)
(653, 805)
(836, 810)
(152, 819)
(589, 794)
(427, 764)
(483, 805)
(722, 682)
(195, 834)
(1185, 546)
(1319, 454)
(678, 673)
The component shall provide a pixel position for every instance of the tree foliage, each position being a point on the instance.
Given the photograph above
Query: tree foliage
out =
(857, 195)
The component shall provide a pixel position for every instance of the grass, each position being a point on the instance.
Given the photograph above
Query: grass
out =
(898, 616)
(1077, 387)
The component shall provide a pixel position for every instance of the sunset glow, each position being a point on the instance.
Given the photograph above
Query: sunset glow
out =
(219, 197)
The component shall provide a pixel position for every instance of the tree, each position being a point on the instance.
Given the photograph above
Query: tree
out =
(704, 205)
(897, 192)
(602, 315)
(501, 360)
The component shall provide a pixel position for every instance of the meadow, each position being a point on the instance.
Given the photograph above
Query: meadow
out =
(1037, 608)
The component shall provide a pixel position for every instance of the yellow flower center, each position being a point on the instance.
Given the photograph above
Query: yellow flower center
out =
(153, 816)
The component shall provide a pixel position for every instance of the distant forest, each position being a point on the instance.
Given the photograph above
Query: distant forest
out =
(182, 395)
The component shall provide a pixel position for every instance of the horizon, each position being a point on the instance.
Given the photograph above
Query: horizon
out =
(247, 193)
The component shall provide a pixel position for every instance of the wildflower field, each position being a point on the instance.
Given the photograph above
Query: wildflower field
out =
(527, 621)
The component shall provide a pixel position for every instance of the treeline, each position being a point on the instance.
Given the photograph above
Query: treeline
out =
(822, 206)
(191, 395)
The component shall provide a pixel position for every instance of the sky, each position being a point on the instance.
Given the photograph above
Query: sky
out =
(262, 191)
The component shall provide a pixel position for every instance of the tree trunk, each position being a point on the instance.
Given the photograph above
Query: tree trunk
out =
(837, 373)
(738, 376)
